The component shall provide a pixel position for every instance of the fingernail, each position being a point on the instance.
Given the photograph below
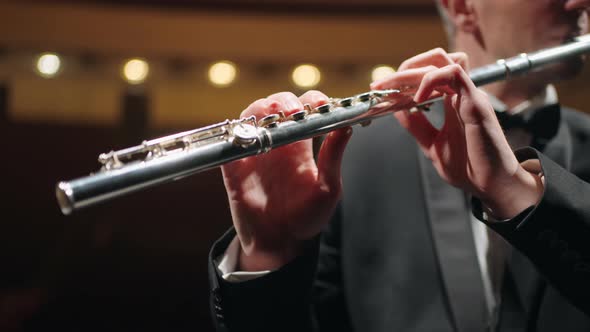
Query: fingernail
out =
(272, 105)
(317, 98)
(292, 104)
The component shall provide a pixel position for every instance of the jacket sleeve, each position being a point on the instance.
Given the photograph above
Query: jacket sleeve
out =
(554, 234)
(303, 295)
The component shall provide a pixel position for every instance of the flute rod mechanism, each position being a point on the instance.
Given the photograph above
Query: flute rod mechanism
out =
(176, 156)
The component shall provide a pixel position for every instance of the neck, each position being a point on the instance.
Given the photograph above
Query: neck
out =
(512, 92)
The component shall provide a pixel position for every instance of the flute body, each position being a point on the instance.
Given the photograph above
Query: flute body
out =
(179, 155)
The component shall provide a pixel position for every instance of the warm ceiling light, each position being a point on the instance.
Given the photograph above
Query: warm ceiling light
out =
(306, 76)
(381, 72)
(135, 71)
(48, 65)
(222, 73)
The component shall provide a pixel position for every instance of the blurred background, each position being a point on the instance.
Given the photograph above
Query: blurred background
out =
(78, 78)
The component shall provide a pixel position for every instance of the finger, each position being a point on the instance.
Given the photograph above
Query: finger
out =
(441, 90)
(453, 123)
(330, 158)
(407, 80)
(450, 156)
(477, 108)
(418, 126)
(289, 102)
(261, 108)
(436, 57)
(461, 59)
(453, 77)
(473, 105)
(314, 98)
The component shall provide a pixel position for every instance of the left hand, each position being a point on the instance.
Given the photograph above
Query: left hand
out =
(470, 151)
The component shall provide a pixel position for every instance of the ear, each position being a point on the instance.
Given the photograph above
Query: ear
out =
(462, 13)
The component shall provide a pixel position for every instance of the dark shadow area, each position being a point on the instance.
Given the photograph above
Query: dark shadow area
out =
(134, 264)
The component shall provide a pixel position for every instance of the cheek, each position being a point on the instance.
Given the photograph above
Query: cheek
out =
(512, 26)
(506, 18)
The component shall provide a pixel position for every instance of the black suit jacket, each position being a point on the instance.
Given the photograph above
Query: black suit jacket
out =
(399, 254)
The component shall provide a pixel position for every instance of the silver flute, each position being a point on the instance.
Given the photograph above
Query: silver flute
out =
(176, 156)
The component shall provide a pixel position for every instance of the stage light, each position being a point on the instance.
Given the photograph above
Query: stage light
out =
(135, 71)
(381, 71)
(222, 73)
(48, 65)
(306, 76)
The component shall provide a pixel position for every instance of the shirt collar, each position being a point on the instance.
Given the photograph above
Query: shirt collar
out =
(547, 97)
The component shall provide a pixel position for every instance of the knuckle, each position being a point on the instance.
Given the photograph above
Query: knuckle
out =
(431, 68)
(273, 105)
(307, 95)
(288, 95)
(428, 78)
(441, 54)
(257, 102)
(456, 68)
(458, 55)
(281, 95)
(431, 74)
(403, 65)
(314, 96)
(318, 92)
(439, 51)
(244, 114)
(254, 108)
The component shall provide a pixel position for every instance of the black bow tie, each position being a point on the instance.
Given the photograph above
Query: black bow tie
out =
(541, 123)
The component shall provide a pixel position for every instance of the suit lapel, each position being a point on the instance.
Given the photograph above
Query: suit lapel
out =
(391, 275)
(450, 224)
(455, 249)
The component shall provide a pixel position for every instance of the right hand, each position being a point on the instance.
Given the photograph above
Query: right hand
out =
(282, 199)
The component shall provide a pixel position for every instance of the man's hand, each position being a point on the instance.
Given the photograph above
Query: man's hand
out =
(282, 199)
(470, 151)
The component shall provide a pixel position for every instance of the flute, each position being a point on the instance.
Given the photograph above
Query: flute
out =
(176, 156)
